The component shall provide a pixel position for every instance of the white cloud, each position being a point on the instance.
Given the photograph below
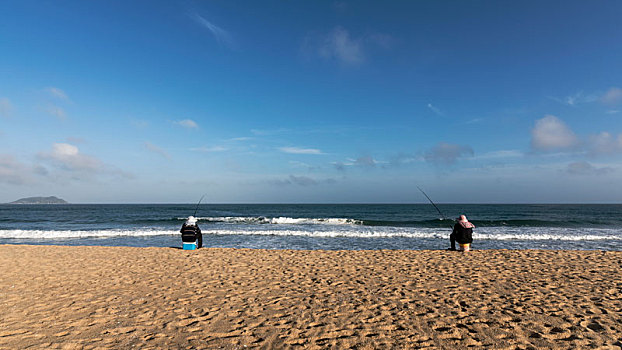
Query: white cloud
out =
(5, 107)
(446, 153)
(302, 181)
(341, 166)
(222, 36)
(297, 164)
(68, 157)
(57, 93)
(613, 96)
(259, 132)
(550, 133)
(340, 46)
(65, 150)
(605, 143)
(435, 110)
(240, 139)
(57, 112)
(474, 121)
(585, 168)
(579, 98)
(576, 99)
(367, 161)
(571, 100)
(187, 123)
(296, 150)
(503, 154)
(157, 150)
(403, 158)
(67, 163)
(14, 172)
(209, 149)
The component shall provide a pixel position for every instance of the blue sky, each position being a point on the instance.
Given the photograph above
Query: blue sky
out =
(311, 101)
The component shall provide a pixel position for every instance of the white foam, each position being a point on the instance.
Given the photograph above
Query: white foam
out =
(491, 233)
(547, 233)
(340, 230)
(328, 233)
(279, 220)
(52, 234)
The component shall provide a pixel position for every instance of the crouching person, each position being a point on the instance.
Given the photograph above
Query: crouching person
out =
(191, 233)
(462, 233)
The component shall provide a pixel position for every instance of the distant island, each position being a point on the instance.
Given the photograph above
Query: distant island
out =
(40, 200)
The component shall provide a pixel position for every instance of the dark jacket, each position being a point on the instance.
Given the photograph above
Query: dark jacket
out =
(190, 233)
(462, 235)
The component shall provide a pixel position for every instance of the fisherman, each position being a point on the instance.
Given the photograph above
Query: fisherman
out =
(462, 233)
(190, 232)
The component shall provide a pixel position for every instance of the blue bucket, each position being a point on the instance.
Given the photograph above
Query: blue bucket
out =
(189, 246)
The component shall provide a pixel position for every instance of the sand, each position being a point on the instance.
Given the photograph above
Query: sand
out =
(153, 298)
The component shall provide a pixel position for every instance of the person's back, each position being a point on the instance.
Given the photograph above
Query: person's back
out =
(462, 233)
(191, 233)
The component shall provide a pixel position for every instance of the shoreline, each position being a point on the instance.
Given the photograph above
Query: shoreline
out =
(205, 247)
(119, 297)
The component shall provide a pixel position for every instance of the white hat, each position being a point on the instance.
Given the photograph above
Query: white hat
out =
(191, 221)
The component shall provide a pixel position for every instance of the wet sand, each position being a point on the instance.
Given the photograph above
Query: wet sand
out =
(153, 298)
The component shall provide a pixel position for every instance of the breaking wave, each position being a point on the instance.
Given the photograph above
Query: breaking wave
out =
(488, 233)
(54, 234)
(434, 223)
(279, 220)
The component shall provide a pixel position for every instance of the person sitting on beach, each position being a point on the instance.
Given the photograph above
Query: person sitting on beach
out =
(190, 232)
(462, 233)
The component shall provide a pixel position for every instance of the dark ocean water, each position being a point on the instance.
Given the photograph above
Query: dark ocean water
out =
(316, 226)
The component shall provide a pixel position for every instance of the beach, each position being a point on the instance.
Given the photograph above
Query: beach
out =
(90, 297)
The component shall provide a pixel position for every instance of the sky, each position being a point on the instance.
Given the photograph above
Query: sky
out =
(311, 101)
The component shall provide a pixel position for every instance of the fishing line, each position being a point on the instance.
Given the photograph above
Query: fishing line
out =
(426, 196)
(197, 208)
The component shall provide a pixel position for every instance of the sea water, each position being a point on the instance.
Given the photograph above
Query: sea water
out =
(316, 226)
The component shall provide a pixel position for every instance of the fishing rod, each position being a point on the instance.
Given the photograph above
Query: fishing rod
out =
(426, 196)
(197, 208)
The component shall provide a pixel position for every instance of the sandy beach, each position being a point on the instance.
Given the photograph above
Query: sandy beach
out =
(151, 298)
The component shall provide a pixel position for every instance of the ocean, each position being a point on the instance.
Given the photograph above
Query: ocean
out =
(316, 226)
